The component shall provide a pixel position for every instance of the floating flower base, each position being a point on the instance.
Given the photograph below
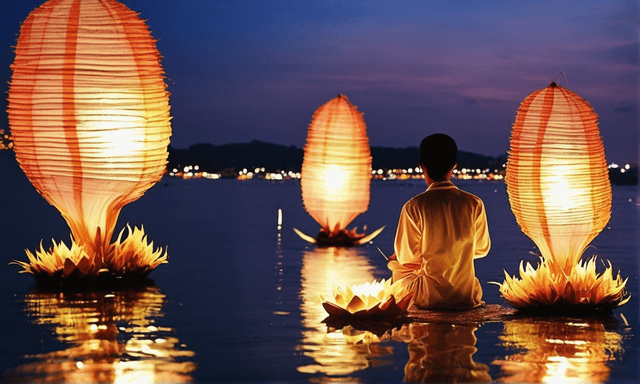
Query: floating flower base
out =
(130, 259)
(550, 290)
(367, 300)
(342, 238)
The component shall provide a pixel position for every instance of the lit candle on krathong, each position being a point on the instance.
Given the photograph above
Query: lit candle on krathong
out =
(89, 117)
(560, 194)
(336, 172)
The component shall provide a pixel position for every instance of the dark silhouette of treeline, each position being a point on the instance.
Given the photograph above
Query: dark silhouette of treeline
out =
(276, 157)
(229, 159)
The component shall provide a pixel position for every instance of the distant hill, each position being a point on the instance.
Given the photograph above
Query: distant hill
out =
(276, 157)
(219, 158)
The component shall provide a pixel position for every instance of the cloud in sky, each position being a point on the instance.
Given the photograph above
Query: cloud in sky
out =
(240, 70)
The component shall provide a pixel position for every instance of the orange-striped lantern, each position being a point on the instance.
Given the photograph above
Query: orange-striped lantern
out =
(336, 171)
(89, 117)
(557, 176)
(559, 191)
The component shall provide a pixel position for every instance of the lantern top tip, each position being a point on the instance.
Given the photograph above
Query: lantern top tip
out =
(341, 96)
(560, 75)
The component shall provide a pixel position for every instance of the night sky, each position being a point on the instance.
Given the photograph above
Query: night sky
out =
(242, 70)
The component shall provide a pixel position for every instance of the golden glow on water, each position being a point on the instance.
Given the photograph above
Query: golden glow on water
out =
(441, 353)
(109, 337)
(341, 352)
(555, 351)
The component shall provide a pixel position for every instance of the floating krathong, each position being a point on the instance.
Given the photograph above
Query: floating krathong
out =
(336, 173)
(375, 299)
(583, 289)
(89, 117)
(130, 257)
(560, 193)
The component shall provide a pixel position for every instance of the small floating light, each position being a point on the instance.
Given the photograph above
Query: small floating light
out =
(336, 172)
(560, 194)
(89, 117)
(5, 140)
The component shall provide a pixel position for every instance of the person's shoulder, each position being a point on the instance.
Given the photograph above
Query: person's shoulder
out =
(470, 196)
(416, 200)
(419, 197)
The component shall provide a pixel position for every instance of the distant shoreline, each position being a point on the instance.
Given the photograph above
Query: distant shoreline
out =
(240, 160)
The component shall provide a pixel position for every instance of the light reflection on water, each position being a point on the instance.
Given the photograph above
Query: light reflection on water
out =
(112, 336)
(535, 349)
(553, 350)
(251, 317)
(346, 350)
(442, 353)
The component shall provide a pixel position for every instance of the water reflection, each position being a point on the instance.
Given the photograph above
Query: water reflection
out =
(344, 350)
(555, 350)
(441, 353)
(112, 337)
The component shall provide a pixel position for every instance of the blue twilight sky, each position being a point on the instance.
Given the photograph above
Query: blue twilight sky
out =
(240, 70)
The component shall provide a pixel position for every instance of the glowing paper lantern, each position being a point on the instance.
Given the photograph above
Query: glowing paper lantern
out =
(336, 171)
(89, 117)
(559, 190)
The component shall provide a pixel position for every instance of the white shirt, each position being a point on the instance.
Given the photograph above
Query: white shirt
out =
(440, 232)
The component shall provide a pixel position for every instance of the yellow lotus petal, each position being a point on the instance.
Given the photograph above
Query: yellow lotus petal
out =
(356, 304)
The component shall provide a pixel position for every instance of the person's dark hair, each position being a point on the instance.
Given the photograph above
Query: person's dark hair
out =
(438, 153)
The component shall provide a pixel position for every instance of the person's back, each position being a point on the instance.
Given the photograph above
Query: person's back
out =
(440, 232)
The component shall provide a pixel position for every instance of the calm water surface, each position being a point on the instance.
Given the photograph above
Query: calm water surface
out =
(240, 298)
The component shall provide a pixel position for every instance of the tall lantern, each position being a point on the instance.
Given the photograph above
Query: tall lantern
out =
(336, 172)
(89, 117)
(559, 191)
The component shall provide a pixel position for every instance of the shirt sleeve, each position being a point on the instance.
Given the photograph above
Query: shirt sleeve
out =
(482, 239)
(408, 239)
